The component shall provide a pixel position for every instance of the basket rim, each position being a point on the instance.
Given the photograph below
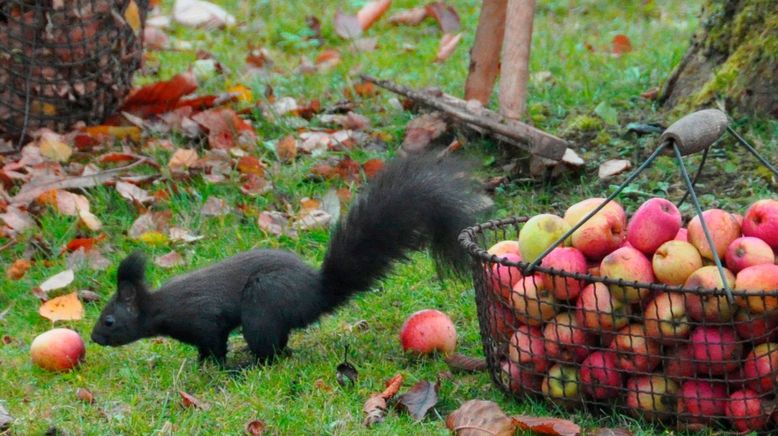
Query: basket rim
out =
(466, 241)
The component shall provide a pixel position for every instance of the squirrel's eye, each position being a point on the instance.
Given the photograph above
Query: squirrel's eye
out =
(108, 321)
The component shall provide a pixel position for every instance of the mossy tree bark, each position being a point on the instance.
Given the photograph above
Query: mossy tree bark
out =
(733, 60)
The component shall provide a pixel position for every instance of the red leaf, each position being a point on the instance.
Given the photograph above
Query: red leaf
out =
(371, 12)
(392, 386)
(446, 16)
(159, 97)
(651, 94)
(372, 167)
(347, 26)
(85, 243)
(621, 44)
(544, 425)
(117, 157)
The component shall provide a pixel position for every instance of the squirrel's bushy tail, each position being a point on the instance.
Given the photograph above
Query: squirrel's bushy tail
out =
(415, 202)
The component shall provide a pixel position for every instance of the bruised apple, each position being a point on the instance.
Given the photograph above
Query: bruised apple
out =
(748, 251)
(57, 350)
(539, 233)
(427, 331)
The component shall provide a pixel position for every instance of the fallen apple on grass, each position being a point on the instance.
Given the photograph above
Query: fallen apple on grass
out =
(57, 350)
(428, 331)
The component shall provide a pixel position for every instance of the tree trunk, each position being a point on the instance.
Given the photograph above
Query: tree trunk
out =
(733, 60)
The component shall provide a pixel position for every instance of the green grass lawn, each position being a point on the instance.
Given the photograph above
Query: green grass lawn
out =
(136, 386)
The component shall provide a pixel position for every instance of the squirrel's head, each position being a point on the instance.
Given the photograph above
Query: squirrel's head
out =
(120, 320)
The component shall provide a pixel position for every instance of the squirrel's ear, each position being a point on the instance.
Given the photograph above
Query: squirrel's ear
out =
(130, 277)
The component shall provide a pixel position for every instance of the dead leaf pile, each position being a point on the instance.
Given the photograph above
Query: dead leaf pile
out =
(477, 417)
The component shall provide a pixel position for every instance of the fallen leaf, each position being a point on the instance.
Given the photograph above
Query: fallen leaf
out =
(182, 159)
(57, 281)
(251, 165)
(177, 234)
(149, 222)
(255, 185)
(650, 94)
(314, 219)
(347, 26)
(133, 193)
(116, 132)
(286, 148)
(153, 238)
(448, 43)
(89, 219)
(372, 167)
(365, 44)
(327, 59)
(621, 45)
(88, 296)
(65, 308)
(365, 89)
(550, 426)
(215, 206)
(53, 146)
(188, 400)
(16, 221)
(225, 128)
(18, 269)
(85, 395)
(255, 428)
(375, 410)
(410, 17)
(461, 362)
(345, 373)
(419, 399)
(330, 203)
(160, 97)
(200, 13)
(609, 432)
(5, 419)
(445, 15)
(259, 58)
(83, 243)
(371, 12)
(479, 417)
(392, 386)
(613, 167)
(422, 130)
(273, 222)
(243, 93)
(169, 260)
(81, 258)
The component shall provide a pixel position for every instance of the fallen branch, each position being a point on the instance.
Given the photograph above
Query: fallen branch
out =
(473, 114)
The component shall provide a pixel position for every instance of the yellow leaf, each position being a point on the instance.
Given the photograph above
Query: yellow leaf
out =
(153, 237)
(132, 15)
(119, 132)
(53, 147)
(244, 93)
(65, 308)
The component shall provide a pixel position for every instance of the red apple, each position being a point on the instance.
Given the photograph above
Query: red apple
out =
(57, 350)
(716, 350)
(631, 265)
(566, 340)
(521, 380)
(760, 368)
(427, 331)
(567, 259)
(699, 401)
(748, 251)
(756, 328)
(653, 397)
(539, 233)
(755, 280)
(528, 349)
(761, 221)
(597, 310)
(635, 351)
(723, 228)
(666, 318)
(705, 304)
(674, 261)
(655, 222)
(602, 233)
(533, 304)
(682, 235)
(503, 277)
(502, 248)
(599, 375)
(745, 412)
(676, 363)
(501, 321)
(561, 385)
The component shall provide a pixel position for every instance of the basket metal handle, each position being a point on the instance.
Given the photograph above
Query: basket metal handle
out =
(696, 131)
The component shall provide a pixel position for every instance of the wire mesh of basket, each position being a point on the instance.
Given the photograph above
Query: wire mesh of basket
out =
(65, 61)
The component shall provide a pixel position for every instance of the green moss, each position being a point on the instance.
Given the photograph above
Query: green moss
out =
(584, 124)
(602, 138)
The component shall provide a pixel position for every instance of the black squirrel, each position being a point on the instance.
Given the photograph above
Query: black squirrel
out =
(414, 202)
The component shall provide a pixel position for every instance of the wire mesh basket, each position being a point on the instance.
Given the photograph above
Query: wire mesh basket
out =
(65, 61)
(585, 332)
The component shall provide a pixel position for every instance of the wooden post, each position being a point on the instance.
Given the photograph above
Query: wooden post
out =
(485, 53)
(514, 74)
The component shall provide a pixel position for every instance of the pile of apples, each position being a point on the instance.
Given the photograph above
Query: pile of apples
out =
(659, 353)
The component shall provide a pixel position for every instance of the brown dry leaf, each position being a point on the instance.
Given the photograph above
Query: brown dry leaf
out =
(83, 243)
(188, 400)
(85, 395)
(255, 428)
(609, 432)
(448, 43)
(88, 296)
(613, 167)
(65, 308)
(274, 222)
(255, 185)
(52, 145)
(251, 165)
(57, 281)
(421, 398)
(393, 386)
(182, 159)
(286, 148)
(410, 17)
(309, 204)
(16, 221)
(621, 45)
(169, 260)
(545, 425)
(18, 269)
(371, 12)
(347, 26)
(328, 58)
(421, 131)
(479, 417)
(160, 97)
(461, 362)
(82, 258)
(215, 206)
(133, 193)
(225, 128)
(149, 222)
(102, 132)
(365, 89)
(375, 410)
(445, 15)
(651, 94)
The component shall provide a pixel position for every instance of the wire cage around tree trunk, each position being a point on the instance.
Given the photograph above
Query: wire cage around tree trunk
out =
(66, 61)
